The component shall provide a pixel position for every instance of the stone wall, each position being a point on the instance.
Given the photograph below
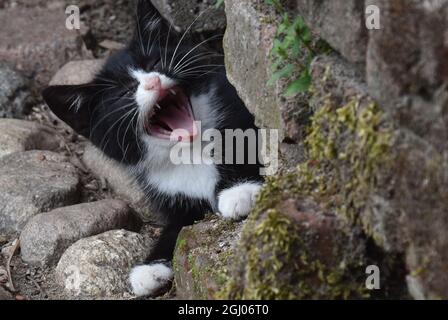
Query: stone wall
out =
(366, 157)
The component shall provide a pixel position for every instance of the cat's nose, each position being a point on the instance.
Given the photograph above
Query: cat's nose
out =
(153, 83)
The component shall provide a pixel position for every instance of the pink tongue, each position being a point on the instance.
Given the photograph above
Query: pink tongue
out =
(179, 119)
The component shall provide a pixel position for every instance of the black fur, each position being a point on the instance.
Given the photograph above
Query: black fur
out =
(98, 111)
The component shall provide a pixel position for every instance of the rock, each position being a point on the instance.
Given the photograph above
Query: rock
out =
(19, 135)
(37, 42)
(181, 14)
(77, 72)
(403, 208)
(98, 267)
(120, 181)
(112, 46)
(33, 182)
(247, 44)
(341, 23)
(46, 236)
(5, 295)
(15, 99)
(414, 63)
(294, 250)
(407, 74)
(202, 256)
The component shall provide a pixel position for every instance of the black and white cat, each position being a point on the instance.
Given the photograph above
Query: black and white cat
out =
(164, 81)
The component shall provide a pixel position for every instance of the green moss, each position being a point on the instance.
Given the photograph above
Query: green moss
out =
(279, 265)
(349, 148)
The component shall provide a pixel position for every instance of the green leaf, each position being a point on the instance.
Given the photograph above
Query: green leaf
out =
(300, 85)
(219, 3)
(285, 72)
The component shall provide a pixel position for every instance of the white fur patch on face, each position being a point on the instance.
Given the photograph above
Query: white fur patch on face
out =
(237, 202)
(146, 99)
(147, 280)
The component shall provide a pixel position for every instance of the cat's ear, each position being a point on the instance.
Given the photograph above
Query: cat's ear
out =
(70, 104)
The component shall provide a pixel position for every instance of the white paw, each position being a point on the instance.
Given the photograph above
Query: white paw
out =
(148, 280)
(237, 202)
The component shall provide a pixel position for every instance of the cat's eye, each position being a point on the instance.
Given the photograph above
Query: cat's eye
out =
(153, 64)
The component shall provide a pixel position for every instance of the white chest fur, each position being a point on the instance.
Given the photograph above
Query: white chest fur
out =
(195, 181)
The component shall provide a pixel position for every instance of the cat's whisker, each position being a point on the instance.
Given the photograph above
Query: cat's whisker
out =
(195, 59)
(112, 127)
(196, 47)
(129, 113)
(200, 67)
(185, 34)
(164, 64)
(140, 36)
(130, 105)
(133, 119)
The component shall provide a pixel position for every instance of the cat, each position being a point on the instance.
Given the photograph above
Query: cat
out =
(163, 81)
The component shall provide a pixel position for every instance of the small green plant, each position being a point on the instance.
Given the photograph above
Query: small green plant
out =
(219, 4)
(292, 52)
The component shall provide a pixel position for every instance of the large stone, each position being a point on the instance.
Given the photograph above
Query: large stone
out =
(37, 42)
(5, 295)
(181, 14)
(247, 44)
(203, 253)
(295, 250)
(118, 179)
(341, 23)
(402, 163)
(408, 74)
(46, 236)
(413, 63)
(98, 267)
(19, 135)
(77, 72)
(15, 99)
(34, 182)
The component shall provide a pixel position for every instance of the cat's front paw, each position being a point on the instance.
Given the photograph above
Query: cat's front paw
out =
(236, 203)
(149, 280)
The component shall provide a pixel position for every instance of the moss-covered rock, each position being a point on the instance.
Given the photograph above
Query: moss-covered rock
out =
(202, 256)
(294, 250)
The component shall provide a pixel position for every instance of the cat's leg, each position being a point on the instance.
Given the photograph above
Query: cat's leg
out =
(157, 274)
(236, 203)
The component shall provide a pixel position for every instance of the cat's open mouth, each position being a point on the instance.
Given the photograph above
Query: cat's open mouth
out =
(172, 118)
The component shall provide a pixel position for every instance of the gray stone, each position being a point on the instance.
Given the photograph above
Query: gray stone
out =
(181, 14)
(77, 72)
(5, 295)
(19, 135)
(118, 179)
(341, 23)
(33, 182)
(15, 99)
(46, 236)
(415, 62)
(37, 42)
(98, 267)
(407, 74)
(247, 44)
(250, 35)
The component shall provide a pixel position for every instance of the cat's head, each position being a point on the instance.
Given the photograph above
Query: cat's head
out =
(144, 93)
